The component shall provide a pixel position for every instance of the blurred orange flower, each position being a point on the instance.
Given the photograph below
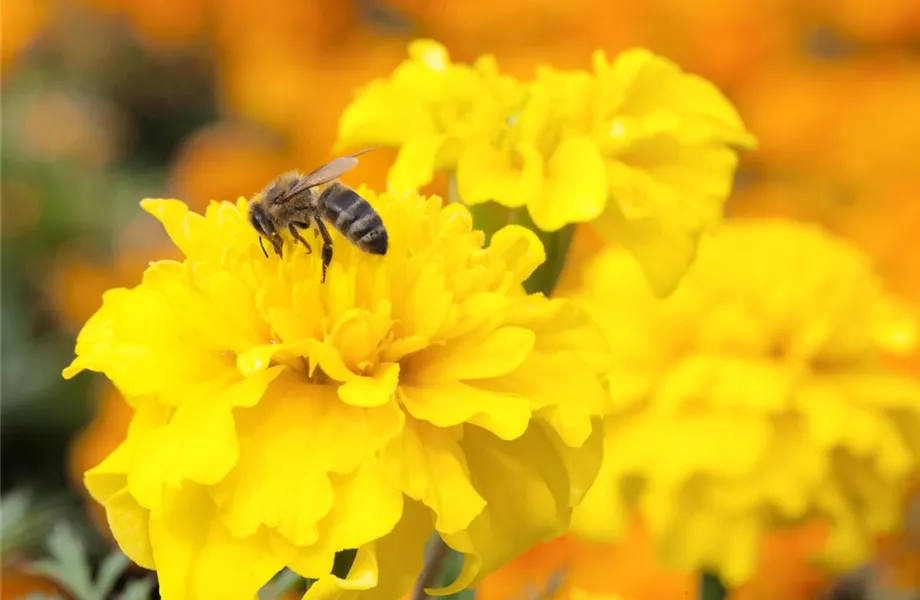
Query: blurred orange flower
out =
(627, 569)
(881, 216)
(898, 559)
(96, 441)
(279, 60)
(729, 42)
(159, 23)
(544, 31)
(795, 110)
(23, 20)
(891, 21)
(787, 570)
(224, 160)
(630, 570)
(76, 283)
(16, 583)
(220, 161)
(57, 126)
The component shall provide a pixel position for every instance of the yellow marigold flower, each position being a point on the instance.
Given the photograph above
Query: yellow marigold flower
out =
(278, 420)
(757, 395)
(580, 594)
(431, 108)
(637, 147)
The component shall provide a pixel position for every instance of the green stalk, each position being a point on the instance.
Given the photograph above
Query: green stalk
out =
(711, 587)
(442, 567)
(490, 217)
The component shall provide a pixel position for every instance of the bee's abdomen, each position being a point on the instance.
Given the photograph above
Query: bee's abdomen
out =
(355, 218)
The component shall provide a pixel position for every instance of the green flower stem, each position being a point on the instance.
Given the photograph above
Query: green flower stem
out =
(284, 582)
(435, 558)
(490, 217)
(441, 569)
(711, 587)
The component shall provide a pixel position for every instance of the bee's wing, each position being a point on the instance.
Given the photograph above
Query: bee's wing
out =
(331, 170)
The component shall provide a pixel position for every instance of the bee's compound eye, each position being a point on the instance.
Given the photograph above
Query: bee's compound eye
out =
(257, 219)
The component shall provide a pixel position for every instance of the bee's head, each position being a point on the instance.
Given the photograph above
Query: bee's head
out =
(264, 226)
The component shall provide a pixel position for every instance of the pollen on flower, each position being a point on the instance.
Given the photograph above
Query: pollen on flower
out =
(640, 149)
(278, 420)
(757, 395)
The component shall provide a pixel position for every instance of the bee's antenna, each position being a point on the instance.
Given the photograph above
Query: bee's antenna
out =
(363, 151)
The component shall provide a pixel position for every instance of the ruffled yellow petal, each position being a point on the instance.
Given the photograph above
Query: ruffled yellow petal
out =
(197, 557)
(575, 188)
(373, 391)
(640, 83)
(475, 356)
(431, 53)
(109, 479)
(602, 515)
(585, 395)
(449, 404)
(198, 444)
(506, 528)
(430, 467)
(350, 524)
(385, 569)
(272, 408)
(128, 522)
(415, 163)
(385, 116)
(769, 347)
(361, 578)
(486, 173)
(664, 244)
(272, 485)
(519, 249)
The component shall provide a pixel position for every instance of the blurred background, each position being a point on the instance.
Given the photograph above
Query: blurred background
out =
(105, 102)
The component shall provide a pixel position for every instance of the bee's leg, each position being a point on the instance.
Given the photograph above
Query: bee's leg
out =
(277, 243)
(293, 229)
(327, 245)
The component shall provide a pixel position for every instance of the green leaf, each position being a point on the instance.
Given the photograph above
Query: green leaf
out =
(13, 508)
(283, 582)
(39, 596)
(69, 565)
(711, 587)
(451, 565)
(23, 520)
(112, 568)
(139, 589)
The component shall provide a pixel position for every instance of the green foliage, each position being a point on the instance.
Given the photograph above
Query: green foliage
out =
(69, 567)
(284, 582)
(23, 520)
(711, 587)
(451, 565)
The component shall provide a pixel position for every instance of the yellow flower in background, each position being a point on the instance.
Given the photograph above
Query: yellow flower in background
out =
(636, 147)
(431, 108)
(579, 594)
(757, 395)
(278, 420)
(667, 139)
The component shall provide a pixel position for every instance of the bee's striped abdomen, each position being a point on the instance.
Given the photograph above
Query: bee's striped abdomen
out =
(354, 218)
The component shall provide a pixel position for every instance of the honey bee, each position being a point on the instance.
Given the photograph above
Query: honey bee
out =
(291, 202)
